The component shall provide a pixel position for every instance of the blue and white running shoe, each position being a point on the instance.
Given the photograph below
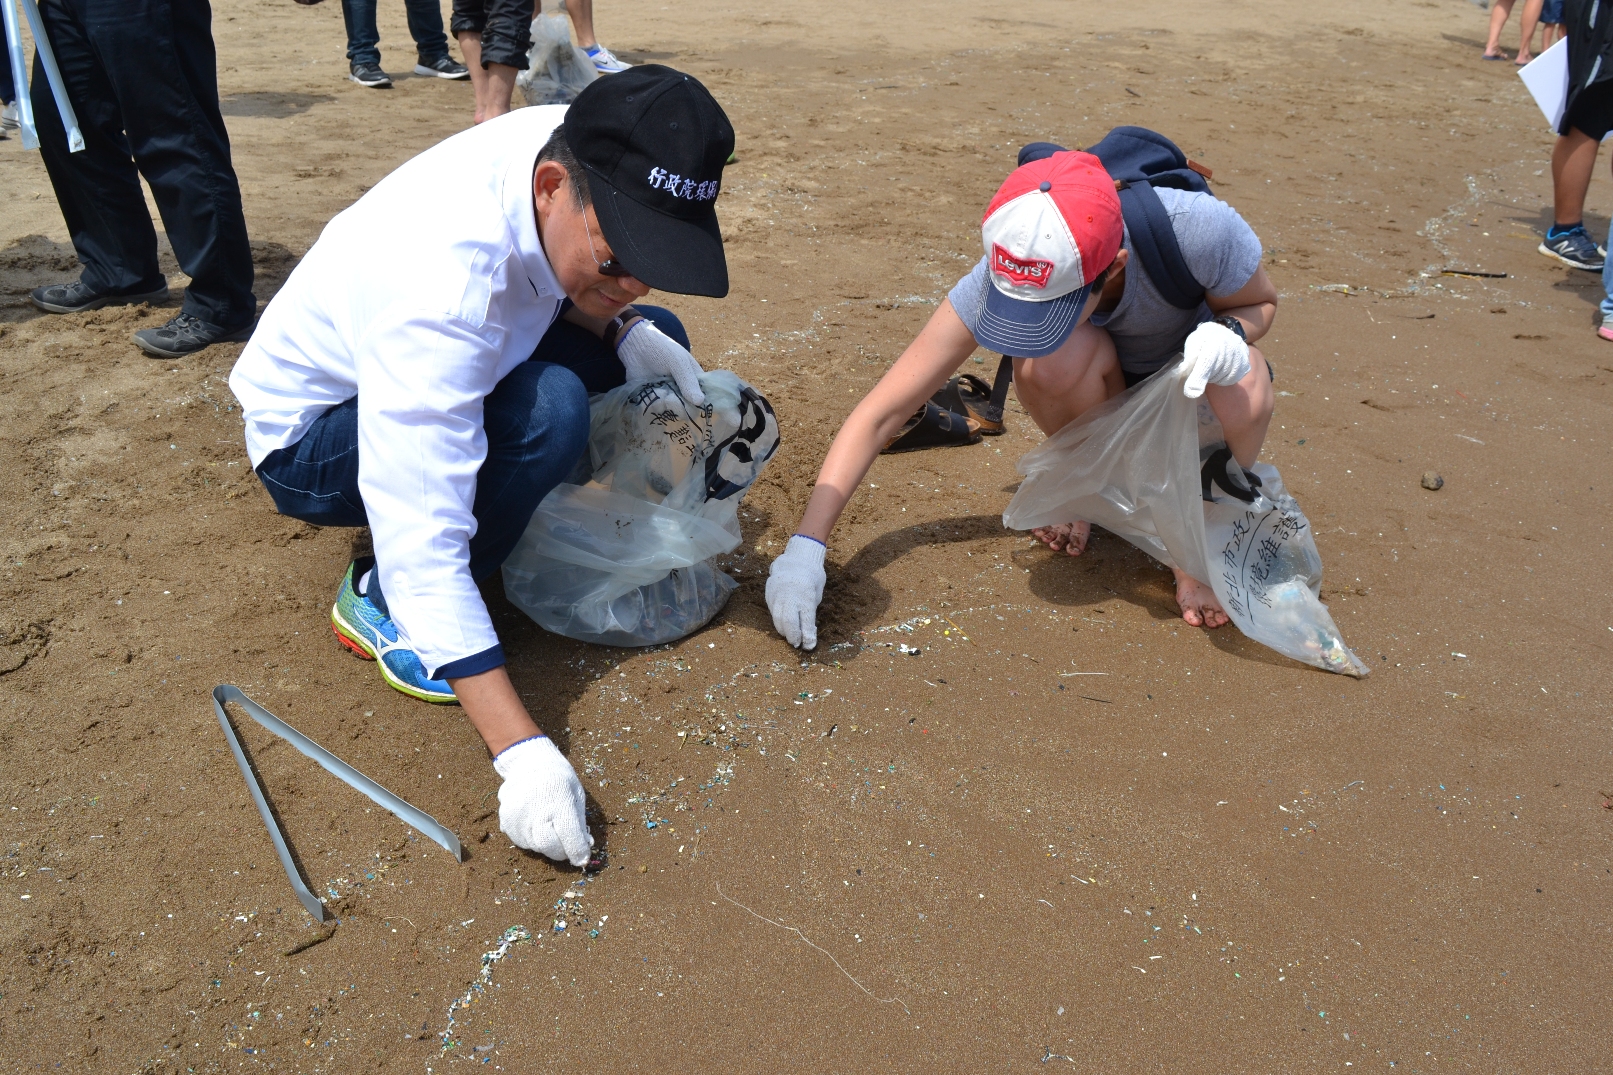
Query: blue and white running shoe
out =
(605, 61)
(1574, 248)
(362, 627)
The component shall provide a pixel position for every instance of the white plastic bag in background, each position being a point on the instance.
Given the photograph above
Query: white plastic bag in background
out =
(556, 69)
(1144, 466)
(626, 559)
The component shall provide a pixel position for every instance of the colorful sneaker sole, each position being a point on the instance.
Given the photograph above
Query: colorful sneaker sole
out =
(353, 640)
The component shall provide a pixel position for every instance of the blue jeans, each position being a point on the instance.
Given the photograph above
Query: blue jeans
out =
(425, 26)
(1607, 280)
(536, 420)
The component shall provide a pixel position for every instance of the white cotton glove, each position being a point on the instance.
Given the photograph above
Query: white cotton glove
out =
(649, 354)
(1215, 355)
(540, 804)
(794, 588)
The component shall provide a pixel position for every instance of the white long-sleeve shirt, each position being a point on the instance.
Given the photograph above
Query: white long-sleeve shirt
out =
(418, 299)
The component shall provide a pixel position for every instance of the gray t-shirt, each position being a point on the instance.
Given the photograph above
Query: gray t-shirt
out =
(1222, 251)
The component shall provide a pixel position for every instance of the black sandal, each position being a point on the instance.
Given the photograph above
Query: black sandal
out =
(934, 427)
(969, 396)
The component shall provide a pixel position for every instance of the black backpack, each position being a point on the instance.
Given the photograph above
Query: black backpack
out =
(1140, 160)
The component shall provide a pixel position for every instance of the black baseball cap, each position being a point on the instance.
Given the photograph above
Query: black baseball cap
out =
(654, 142)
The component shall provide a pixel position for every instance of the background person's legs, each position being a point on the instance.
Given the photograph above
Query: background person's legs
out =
(582, 22)
(425, 26)
(1529, 19)
(362, 36)
(157, 58)
(495, 36)
(1498, 19)
(1606, 329)
(97, 189)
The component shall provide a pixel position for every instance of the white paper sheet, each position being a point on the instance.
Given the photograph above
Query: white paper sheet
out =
(1546, 77)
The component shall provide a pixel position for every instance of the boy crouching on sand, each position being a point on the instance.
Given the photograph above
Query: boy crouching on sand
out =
(1053, 291)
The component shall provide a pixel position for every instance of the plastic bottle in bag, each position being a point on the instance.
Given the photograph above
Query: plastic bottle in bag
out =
(626, 557)
(556, 69)
(1151, 465)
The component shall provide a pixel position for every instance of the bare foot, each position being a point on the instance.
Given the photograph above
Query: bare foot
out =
(1197, 602)
(1065, 537)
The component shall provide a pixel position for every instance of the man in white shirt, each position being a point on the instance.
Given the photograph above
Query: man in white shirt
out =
(438, 400)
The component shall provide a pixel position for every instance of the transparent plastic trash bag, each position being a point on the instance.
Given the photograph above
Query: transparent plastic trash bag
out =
(1151, 465)
(556, 69)
(624, 556)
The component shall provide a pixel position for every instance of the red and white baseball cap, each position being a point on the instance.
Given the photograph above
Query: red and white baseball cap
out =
(1053, 226)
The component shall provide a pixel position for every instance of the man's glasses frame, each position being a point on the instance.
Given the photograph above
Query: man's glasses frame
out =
(610, 266)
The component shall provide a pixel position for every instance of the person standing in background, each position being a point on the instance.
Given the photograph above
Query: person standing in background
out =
(425, 26)
(1499, 13)
(1587, 119)
(495, 37)
(143, 78)
(1547, 14)
(582, 24)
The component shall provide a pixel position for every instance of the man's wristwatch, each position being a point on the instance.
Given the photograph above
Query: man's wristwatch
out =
(616, 325)
(1229, 322)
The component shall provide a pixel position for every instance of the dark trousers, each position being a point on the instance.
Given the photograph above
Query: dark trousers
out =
(505, 26)
(425, 26)
(143, 78)
(536, 420)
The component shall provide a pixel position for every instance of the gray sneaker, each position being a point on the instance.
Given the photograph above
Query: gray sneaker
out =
(444, 67)
(77, 297)
(371, 75)
(185, 335)
(9, 120)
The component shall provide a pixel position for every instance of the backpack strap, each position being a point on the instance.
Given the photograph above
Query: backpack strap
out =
(999, 387)
(1154, 242)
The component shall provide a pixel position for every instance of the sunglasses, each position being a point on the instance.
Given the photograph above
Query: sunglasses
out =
(610, 266)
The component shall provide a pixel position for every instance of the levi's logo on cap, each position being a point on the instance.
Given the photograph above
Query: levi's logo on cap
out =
(1033, 272)
(1052, 227)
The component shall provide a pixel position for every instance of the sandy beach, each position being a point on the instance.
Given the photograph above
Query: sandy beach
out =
(930, 845)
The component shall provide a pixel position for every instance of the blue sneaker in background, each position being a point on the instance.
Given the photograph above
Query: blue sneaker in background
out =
(364, 628)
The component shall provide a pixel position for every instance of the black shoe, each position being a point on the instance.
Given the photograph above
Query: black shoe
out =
(443, 68)
(77, 297)
(371, 75)
(185, 335)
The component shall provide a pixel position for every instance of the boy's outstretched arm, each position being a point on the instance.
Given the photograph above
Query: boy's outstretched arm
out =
(795, 583)
(922, 369)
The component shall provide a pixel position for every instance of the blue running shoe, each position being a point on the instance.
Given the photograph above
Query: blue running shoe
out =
(1574, 248)
(363, 628)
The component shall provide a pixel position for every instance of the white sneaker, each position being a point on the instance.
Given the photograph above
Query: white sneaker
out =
(8, 118)
(605, 62)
